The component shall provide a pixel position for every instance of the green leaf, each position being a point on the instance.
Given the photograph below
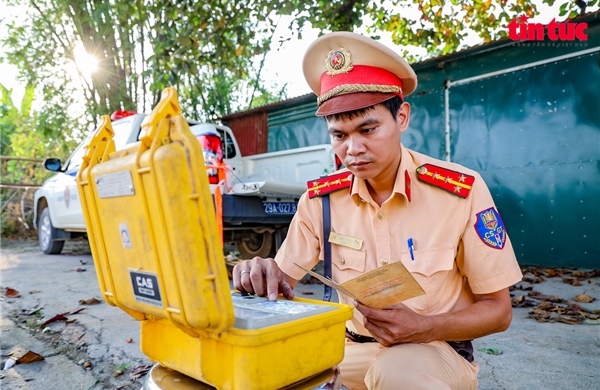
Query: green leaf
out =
(490, 351)
(184, 41)
(27, 100)
(563, 9)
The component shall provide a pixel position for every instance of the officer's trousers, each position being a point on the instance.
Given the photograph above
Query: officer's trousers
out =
(407, 366)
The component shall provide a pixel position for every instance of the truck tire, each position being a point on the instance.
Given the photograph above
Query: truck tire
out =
(47, 235)
(255, 244)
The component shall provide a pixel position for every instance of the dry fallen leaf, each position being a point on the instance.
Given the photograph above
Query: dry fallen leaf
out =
(543, 297)
(58, 317)
(128, 340)
(139, 372)
(584, 298)
(570, 320)
(91, 301)
(572, 281)
(30, 357)
(11, 293)
(552, 273)
(521, 301)
(78, 269)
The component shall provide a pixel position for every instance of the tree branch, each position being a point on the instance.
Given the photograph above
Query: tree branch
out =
(260, 68)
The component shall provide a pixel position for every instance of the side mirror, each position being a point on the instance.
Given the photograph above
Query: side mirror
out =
(53, 164)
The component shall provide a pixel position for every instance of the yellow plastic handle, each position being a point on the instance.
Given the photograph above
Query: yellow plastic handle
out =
(103, 133)
(167, 108)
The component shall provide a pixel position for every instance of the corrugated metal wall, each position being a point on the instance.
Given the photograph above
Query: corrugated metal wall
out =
(526, 116)
(296, 127)
(539, 151)
(251, 133)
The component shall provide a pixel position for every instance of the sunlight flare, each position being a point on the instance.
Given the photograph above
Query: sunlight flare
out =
(86, 63)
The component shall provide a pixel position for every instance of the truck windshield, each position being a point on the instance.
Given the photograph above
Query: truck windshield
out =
(229, 150)
(120, 138)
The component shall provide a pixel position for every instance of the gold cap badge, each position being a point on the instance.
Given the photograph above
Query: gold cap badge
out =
(338, 61)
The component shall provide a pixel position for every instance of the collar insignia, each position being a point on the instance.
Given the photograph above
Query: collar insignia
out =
(407, 185)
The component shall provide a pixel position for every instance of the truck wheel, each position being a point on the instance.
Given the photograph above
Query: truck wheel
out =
(255, 244)
(47, 234)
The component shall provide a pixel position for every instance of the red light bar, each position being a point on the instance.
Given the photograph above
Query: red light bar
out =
(121, 114)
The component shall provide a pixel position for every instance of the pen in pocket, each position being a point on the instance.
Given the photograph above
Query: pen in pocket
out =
(411, 249)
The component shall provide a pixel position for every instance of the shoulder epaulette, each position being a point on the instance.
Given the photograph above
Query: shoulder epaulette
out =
(328, 184)
(456, 183)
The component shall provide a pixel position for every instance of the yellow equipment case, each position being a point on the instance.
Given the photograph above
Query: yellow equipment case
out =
(151, 225)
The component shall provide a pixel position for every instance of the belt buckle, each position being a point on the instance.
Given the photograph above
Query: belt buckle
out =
(358, 338)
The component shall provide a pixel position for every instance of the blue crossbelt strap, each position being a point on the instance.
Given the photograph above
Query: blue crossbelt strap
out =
(327, 248)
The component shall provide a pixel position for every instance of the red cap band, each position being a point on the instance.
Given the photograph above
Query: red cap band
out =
(360, 74)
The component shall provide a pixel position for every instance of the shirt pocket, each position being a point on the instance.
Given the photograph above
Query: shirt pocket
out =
(348, 263)
(434, 270)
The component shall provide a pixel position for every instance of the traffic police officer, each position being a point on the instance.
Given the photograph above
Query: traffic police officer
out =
(437, 218)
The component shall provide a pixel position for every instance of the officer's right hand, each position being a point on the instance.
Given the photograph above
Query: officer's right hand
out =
(262, 277)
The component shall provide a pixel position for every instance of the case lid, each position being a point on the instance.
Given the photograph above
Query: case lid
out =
(171, 264)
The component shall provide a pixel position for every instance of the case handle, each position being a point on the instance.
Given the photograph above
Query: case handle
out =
(167, 107)
(102, 137)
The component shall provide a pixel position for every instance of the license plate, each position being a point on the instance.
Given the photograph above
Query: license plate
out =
(280, 207)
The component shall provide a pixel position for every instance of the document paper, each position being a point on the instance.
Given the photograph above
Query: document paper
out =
(381, 288)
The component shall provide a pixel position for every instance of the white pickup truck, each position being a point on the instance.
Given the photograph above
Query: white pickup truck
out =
(260, 192)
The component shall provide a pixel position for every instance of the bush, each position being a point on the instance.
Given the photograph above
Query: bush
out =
(17, 213)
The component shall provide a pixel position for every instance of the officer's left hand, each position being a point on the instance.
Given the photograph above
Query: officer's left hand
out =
(395, 325)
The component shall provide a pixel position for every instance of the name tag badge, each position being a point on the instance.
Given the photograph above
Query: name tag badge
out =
(342, 240)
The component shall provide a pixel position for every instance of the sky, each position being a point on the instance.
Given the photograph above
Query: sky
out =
(282, 65)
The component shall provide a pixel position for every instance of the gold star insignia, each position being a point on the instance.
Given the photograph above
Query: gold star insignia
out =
(327, 184)
(315, 183)
(447, 179)
(462, 178)
(317, 191)
(457, 189)
(436, 176)
(338, 181)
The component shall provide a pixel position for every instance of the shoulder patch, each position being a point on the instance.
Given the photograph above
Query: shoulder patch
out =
(456, 183)
(490, 228)
(328, 184)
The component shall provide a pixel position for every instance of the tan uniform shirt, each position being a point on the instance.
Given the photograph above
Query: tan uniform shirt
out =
(451, 259)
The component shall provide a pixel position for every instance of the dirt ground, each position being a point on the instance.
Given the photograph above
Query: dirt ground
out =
(553, 341)
(76, 354)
